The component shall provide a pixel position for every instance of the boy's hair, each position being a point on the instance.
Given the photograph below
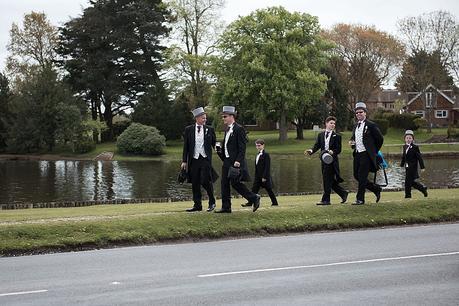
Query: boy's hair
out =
(260, 141)
(330, 118)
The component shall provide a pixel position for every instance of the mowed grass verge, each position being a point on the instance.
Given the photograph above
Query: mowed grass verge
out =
(66, 229)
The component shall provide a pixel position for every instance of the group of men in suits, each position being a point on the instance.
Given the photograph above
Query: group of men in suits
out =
(199, 142)
(366, 141)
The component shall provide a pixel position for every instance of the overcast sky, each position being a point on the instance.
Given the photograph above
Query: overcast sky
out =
(381, 13)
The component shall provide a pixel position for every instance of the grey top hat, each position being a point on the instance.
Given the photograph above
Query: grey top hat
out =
(198, 111)
(409, 132)
(229, 110)
(360, 105)
(326, 157)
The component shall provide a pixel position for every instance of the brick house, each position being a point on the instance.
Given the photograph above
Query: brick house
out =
(383, 99)
(439, 107)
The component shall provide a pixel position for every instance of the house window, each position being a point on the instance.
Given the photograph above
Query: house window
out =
(419, 113)
(429, 98)
(441, 114)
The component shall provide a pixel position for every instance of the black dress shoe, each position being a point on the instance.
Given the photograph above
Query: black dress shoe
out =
(323, 203)
(378, 195)
(194, 208)
(223, 211)
(274, 204)
(256, 204)
(344, 199)
(211, 207)
(358, 202)
(407, 197)
(424, 192)
(248, 204)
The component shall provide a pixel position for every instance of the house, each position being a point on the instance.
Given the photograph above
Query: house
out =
(439, 107)
(383, 99)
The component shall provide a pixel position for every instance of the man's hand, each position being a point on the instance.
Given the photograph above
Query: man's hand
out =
(308, 152)
(183, 166)
(263, 180)
(330, 151)
(237, 164)
(351, 142)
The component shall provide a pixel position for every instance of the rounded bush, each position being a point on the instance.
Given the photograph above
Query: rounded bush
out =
(141, 139)
(402, 121)
(383, 125)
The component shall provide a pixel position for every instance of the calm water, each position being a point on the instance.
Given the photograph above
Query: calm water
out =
(47, 181)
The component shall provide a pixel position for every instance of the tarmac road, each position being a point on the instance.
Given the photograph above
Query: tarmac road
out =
(416, 265)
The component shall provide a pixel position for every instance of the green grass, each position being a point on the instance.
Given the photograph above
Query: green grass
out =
(63, 229)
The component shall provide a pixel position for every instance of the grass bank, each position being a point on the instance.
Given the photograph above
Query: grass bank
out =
(64, 229)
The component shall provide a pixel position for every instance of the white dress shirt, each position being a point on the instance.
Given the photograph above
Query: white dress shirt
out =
(227, 136)
(327, 139)
(258, 157)
(199, 142)
(359, 146)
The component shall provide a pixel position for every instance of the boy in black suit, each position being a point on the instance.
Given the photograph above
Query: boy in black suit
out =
(329, 142)
(410, 159)
(262, 173)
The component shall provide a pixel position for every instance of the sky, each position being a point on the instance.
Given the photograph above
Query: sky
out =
(383, 14)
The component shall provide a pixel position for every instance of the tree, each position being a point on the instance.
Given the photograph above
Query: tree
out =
(422, 69)
(113, 54)
(30, 47)
(5, 96)
(434, 32)
(197, 27)
(365, 58)
(44, 112)
(271, 63)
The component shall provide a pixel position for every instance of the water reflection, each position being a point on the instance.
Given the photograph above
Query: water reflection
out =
(47, 181)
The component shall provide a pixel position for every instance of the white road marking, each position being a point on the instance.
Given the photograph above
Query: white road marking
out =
(22, 292)
(329, 264)
(115, 283)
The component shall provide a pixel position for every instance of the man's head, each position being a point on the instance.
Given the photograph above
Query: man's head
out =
(199, 115)
(330, 123)
(360, 111)
(229, 115)
(260, 144)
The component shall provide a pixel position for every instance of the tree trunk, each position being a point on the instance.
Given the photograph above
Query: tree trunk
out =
(299, 130)
(283, 128)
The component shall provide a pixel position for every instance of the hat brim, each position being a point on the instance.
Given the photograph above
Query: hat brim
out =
(200, 114)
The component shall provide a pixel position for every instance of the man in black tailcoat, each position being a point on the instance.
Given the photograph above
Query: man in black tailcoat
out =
(198, 143)
(366, 141)
(329, 142)
(234, 168)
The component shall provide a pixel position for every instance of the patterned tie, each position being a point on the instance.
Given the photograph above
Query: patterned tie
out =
(358, 125)
(326, 134)
(199, 129)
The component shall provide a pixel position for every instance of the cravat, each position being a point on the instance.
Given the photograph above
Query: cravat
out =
(199, 129)
(326, 134)
(359, 125)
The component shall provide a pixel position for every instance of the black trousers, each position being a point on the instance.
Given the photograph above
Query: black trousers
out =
(238, 186)
(330, 182)
(410, 181)
(361, 170)
(201, 176)
(257, 184)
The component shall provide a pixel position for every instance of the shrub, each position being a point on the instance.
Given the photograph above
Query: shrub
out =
(402, 121)
(452, 132)
(84, 145)
(141, 139)
(383, 125)
(420, 122)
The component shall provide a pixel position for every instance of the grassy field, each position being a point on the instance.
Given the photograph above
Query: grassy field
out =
(63, 229)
